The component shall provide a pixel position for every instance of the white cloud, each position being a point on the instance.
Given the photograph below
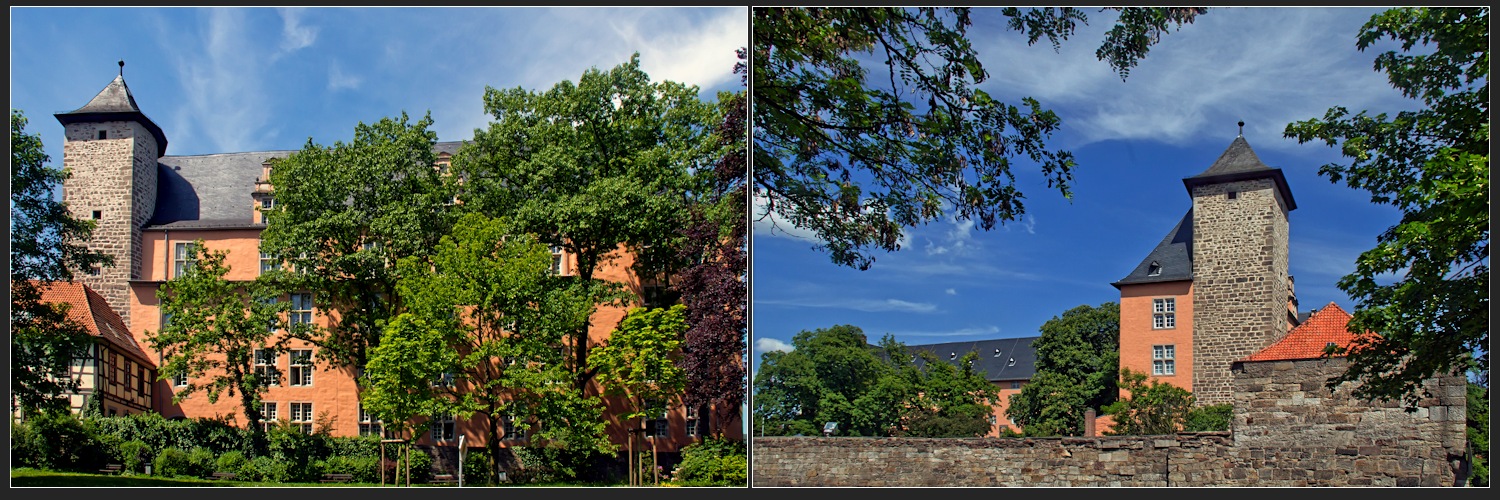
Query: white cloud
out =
(294, 36)
(222, 108)
(865, 305)
(951, 291)
(962, 332)
(769, 223)
(768, 345)
(338, 80)
(702, 54)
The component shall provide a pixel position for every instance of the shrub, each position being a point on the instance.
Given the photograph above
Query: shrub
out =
(545, 464)
(173, 462)
(134, 455)
(364, 469)
(712, 462)
(1209, 418)
(234, 461)
(56, 441)
(269, 470)
(477, 466)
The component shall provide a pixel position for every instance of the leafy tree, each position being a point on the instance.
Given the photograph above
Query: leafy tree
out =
(1209, 418)
(640, 363)
(487, 314)
(1153, 407)
(47, 243)
(1478, 432)
(712, 284)
(953, 400)
(343, 214)
(1432, 164)
(856, 157)
(592, 168)
(797, 392)
(215, 327)
(1077, 358)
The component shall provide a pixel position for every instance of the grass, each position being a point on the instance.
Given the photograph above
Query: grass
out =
(27, 477)
(24, 477)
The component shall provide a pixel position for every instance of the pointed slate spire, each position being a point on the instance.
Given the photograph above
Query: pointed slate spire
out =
(1238, 163)
(115, 103)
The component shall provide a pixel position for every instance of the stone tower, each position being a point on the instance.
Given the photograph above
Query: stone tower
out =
(1240, 279)
(111, 148)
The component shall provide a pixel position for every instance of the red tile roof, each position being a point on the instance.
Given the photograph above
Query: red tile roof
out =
(89, 309)
(1310, 339)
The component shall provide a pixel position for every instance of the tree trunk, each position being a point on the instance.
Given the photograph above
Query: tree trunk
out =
(493, 447)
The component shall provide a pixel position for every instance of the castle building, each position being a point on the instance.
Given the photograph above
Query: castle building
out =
(1216, 289)
(1007, 363)
(150, 207)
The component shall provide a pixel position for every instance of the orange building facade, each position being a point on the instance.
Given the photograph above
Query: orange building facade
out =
(151, 207)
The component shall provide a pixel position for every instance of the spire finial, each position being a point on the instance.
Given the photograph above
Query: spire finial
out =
(122, 67)
(1242, 124)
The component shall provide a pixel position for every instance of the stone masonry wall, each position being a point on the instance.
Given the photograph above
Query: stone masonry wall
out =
(1240, 286)
(1287, 431)
(117, 177)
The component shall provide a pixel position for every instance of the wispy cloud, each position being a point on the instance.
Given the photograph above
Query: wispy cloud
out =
(962, 332)
(767, 222)
(337, 79)
(768, 345)
(951, 291)
(864, 305)
(294, 36)
(222, 107)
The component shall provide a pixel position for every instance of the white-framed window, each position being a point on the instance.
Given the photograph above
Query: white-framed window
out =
(302, 309)
(265, 366)
(301, 365)
(658, 427)
(271, 325)
(442, 427)
(1015, 384)
(693, 421)
(179, 380)
(267, 202)
(182, 258)
(557, 259)
(1164, 359)
(369, 425)
(267, 415)
(1164, 313)
(268, 262)
(508, 424)
(302, 416)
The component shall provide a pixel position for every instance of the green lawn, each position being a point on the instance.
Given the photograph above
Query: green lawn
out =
(23, 477)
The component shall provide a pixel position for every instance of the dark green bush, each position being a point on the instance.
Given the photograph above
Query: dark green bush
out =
(56, 441)
(542, 464)
(234, 461)
(134, 455)
(173, 462)
(477, 467)
(269, 470)
(1209, 418)
(712, 462)
(364, 469)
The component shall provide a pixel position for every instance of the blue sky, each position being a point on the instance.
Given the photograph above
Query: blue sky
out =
(1134, 142)
(255, 79)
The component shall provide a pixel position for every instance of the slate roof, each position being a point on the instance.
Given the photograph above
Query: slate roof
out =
(1174, 254)
(1238, 163)
(1329, 325)
(995, 367)
(89, 309)
(115, 103)
(213, 191)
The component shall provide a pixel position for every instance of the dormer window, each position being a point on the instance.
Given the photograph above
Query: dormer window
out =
(1012, 362)
(267, 203)
(1154, 269)
(997, 353)
(952, 355)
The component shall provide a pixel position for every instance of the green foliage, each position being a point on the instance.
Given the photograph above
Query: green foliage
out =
(545, 464)
(365, 469)
(234, 461)
(1077, 357)
(1152, 408)
(56, 440)
(267, 469)
(712, 462)
(856, 156)
(477, 467)
(46, 245)
(833, 375)
(1433, 165)
(1209, 418)
(1477, 431)
(640, 359)
(134, 455)
(216, 325)
(343, 214)
(173, 462)
(617, 182)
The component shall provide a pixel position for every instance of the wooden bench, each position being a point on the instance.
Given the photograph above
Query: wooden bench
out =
(444, 479)
(223, 476)
(337, 478)
(112, 469)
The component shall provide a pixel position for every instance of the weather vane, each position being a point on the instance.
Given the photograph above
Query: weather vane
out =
(122, 67)
(1242, 122)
